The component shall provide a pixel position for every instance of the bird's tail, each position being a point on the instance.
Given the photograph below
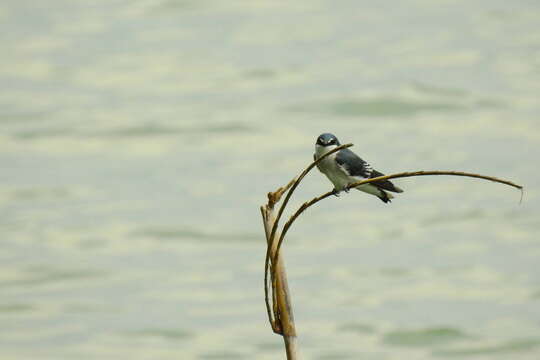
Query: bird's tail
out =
(385, 196)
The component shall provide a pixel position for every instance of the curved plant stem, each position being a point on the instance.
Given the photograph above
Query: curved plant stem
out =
(313, 201)
(272, 200)
(280, 314)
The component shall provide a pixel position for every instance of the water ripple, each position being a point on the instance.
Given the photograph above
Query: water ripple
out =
(515, 346)
(424, 337)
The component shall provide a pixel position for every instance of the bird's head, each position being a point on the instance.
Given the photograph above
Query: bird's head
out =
(326, 140)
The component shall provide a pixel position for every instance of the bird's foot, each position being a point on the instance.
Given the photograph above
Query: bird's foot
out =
(335, 192)
(346, 189)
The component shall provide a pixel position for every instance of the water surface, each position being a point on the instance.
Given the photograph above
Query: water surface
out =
(138, 139)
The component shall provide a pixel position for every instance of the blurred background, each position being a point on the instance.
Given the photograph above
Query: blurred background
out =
(138, 139)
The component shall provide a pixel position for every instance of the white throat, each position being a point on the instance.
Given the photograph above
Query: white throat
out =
(321, 150)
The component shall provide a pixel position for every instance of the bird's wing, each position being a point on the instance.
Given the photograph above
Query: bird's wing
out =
(384, 184)
(352, 164)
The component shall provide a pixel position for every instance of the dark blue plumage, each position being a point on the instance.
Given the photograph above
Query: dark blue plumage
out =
(345, 167)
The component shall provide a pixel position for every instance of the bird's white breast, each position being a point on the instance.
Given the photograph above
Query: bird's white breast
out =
(330, 168)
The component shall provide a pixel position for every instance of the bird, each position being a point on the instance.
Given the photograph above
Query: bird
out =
(344, 167)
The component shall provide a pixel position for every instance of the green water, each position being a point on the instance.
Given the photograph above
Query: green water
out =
(138, 139)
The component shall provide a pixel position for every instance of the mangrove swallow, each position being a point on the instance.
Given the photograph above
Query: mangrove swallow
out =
(344, 167)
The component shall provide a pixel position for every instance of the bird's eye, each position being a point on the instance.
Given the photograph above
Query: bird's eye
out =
(332, 141)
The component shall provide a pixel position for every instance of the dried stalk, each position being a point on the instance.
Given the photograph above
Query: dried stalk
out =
(306, 205)
(280, 314)
(284, 321)
(274, 198)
